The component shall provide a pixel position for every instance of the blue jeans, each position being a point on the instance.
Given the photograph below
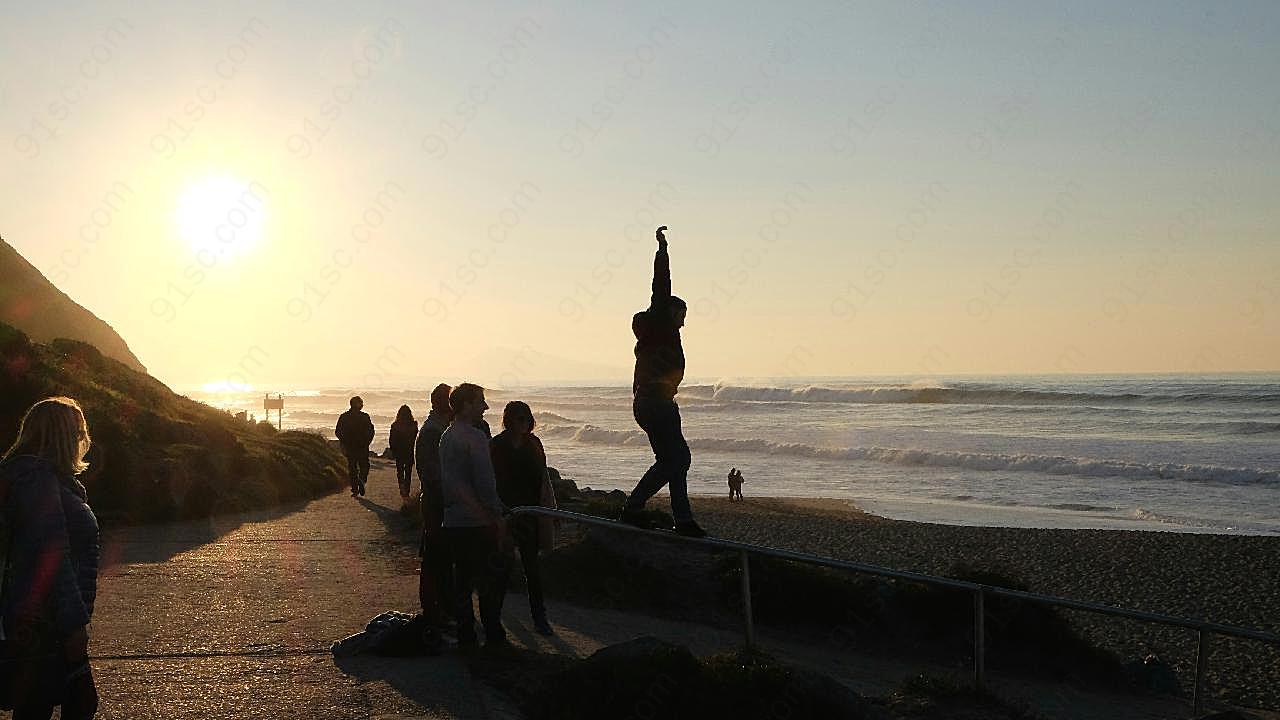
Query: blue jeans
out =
(660, 420)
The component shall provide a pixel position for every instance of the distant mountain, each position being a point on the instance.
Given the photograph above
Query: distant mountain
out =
(32, 304)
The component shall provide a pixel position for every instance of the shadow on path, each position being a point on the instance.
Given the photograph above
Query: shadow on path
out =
(157, 543)
(441, 684)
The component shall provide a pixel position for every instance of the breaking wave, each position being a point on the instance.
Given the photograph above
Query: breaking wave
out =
(895, 394)
(991, 462)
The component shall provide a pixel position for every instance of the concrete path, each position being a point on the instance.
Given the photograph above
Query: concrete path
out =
(232, 618)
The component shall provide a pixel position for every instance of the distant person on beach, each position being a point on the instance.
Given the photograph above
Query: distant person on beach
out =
(735, 484)
(404, 433)
(659, 371)
(520, 464)
(355, 434)
(473, 517)
(435, 583)
(50, 581)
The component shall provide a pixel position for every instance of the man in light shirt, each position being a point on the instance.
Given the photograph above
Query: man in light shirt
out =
(473, 522)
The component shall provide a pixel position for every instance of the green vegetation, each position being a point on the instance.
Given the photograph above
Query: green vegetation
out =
(929, 698)
(649, 678)
(158, 455)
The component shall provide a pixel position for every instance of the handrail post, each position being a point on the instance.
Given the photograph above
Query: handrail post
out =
(979, 639)
(746, 600)
(1202, 664)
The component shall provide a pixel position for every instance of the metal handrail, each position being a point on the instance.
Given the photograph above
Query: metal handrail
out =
(1203, 628)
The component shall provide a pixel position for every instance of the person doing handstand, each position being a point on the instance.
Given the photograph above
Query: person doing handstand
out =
(659, 370)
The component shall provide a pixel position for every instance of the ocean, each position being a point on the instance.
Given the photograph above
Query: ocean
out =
(1150, 452)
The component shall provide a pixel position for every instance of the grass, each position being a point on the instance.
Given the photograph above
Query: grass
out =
(158, 455)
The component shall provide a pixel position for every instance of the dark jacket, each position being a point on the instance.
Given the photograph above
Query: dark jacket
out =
(520, 471)
(54, 548)
(428, 456)
(659, 354)
(354, 430)
(403, 435)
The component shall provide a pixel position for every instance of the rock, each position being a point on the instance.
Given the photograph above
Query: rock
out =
(641, 649)
(566, 489)
(1154, 675)
(647, 677)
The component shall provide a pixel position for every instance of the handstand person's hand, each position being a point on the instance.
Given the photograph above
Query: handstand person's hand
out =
(662, 238)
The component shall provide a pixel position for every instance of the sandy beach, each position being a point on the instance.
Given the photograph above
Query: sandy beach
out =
(1226, 579)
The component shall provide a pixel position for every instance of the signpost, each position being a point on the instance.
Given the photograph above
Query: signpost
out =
(277, 404)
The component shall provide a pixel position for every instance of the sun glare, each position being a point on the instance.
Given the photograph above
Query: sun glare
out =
(226, 387)
(221, 217)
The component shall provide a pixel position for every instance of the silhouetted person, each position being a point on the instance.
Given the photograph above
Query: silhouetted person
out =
(355, 434)
(51, 581)
(659, 371)
(520, 465)
(435, 583)
(735, 484)
(404, 433)
(473, 521)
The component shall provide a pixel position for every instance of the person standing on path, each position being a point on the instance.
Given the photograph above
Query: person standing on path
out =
(404, 433)
(520, 464)
(50, 567)
(355, 433)
(660, 365)
(473, 517)
(735, 484)
(435, 582)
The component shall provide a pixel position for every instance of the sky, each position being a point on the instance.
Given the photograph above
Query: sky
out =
(289, 195)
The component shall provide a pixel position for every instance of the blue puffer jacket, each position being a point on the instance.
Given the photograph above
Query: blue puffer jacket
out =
(54, 547)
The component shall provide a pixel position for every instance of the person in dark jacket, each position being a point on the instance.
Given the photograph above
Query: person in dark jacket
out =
(51, 578)
(435, 582)
(520, 465)
(404, 433)
(659, 371)
(355, 433)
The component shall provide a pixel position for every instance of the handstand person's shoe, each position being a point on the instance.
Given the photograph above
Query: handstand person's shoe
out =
(689, 528)
(634, 517)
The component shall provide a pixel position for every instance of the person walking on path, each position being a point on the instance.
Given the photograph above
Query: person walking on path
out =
(355, 434)
(404, 433)
(435, 582)
(473, 517)
(520, 465)
(660, 365)
(50, 563)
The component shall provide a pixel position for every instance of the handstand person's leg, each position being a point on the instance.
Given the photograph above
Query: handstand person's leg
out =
(654, 478)
(661, 422)
(678, 484)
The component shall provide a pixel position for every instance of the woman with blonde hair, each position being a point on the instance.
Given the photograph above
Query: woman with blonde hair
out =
(49, 537)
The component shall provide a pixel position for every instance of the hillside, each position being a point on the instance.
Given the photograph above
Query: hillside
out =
(158, 455)
(32, 304)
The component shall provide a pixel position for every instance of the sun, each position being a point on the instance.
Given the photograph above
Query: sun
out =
(221, 217)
